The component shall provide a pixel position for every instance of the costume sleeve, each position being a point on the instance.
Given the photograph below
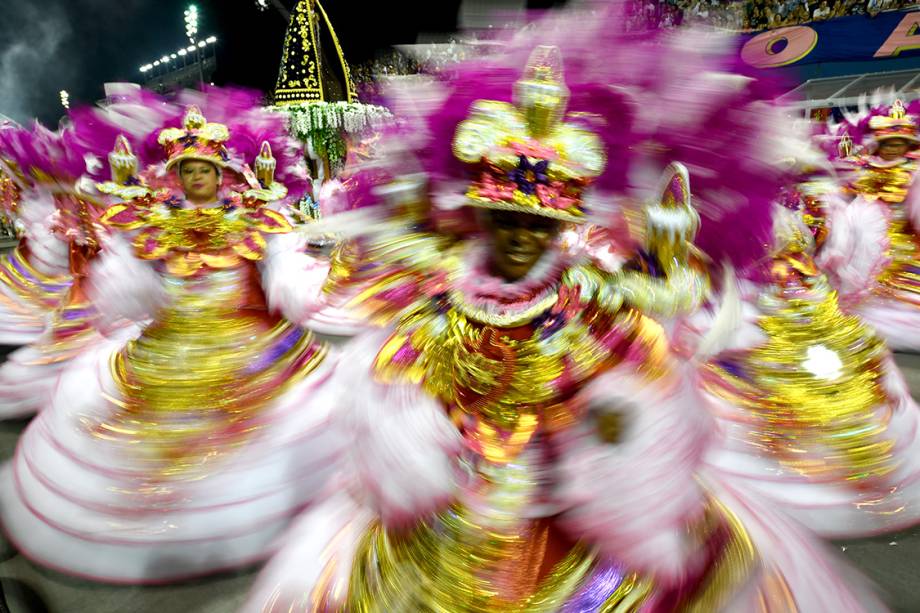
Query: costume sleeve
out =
(388, 275)
(121, 286)
(634, 492)
(49, 252)
(403, 457)
(680, 291)
(292, 278)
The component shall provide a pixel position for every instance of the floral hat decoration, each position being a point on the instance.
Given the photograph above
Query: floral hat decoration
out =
(524, 156)
(897, 124)
(196, 140)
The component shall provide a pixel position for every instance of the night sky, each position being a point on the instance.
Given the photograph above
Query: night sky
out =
(78, 45)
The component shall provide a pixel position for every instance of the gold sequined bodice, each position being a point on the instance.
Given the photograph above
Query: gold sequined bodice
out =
(516, 380)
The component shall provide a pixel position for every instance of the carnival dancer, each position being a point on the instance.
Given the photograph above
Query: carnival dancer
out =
(872, 253)
(522, 439)
(127, 116)
(186, 450)
(813, 412)
(35, 275)
(29, 373)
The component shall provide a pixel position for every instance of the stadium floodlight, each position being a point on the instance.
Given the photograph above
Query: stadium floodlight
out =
(191, 22)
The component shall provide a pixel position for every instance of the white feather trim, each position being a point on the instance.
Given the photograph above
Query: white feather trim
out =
(913, 205)
(405, 445)
(895, 321)
(810, 573)
(727, 320)
(292, 279)
(855, 251)
(634, 499)
(123, 287)
(320, 548)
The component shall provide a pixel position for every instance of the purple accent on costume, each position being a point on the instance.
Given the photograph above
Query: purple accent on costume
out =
(48, 287)
(519, 175)
(406, 354)
(76, 314)
(549, 323)
(600, 586)
(732, 368)
(276, 351)
(399, 295)
(646, 263)
(442, 303)
(676, 191)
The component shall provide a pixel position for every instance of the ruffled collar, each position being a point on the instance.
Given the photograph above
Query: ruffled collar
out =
(482, 296)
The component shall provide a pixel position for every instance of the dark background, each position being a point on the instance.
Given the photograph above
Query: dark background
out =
(78, 45)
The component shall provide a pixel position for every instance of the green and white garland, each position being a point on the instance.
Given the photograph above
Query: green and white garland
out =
(350, 117)
(323, 124)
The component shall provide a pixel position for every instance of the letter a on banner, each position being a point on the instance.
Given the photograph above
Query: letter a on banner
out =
(779, 47)
(904, 37)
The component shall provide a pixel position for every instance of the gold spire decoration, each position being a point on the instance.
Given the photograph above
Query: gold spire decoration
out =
(302, 78)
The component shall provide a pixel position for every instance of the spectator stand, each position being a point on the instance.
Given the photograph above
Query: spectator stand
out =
(752, 15)
(822, 97)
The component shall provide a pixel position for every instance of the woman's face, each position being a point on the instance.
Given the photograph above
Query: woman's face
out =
(893, 148)
(518, 241)
(199, 181)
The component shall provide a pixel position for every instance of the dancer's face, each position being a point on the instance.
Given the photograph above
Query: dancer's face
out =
(199, 181)
(893, 148)
(518, 241)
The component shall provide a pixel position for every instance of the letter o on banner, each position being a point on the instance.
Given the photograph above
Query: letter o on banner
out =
(779, 47)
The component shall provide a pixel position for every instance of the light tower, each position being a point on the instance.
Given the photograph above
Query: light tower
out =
(191, 23)
(191, 31)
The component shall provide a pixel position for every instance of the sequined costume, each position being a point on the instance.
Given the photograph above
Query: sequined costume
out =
(69, 323)
(34, 276)
(186, 450)
(29, 373)
(872, 254)
(531, 445)
(812, 410)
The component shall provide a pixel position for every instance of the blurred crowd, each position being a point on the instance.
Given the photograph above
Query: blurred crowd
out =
(7, 228)
(753, 14)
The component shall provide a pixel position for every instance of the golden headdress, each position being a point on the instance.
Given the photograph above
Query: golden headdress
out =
(196, 140)
(525, 156)
(897, 124)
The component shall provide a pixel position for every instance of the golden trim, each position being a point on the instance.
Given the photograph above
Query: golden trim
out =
(542, 211)
(733, 568)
